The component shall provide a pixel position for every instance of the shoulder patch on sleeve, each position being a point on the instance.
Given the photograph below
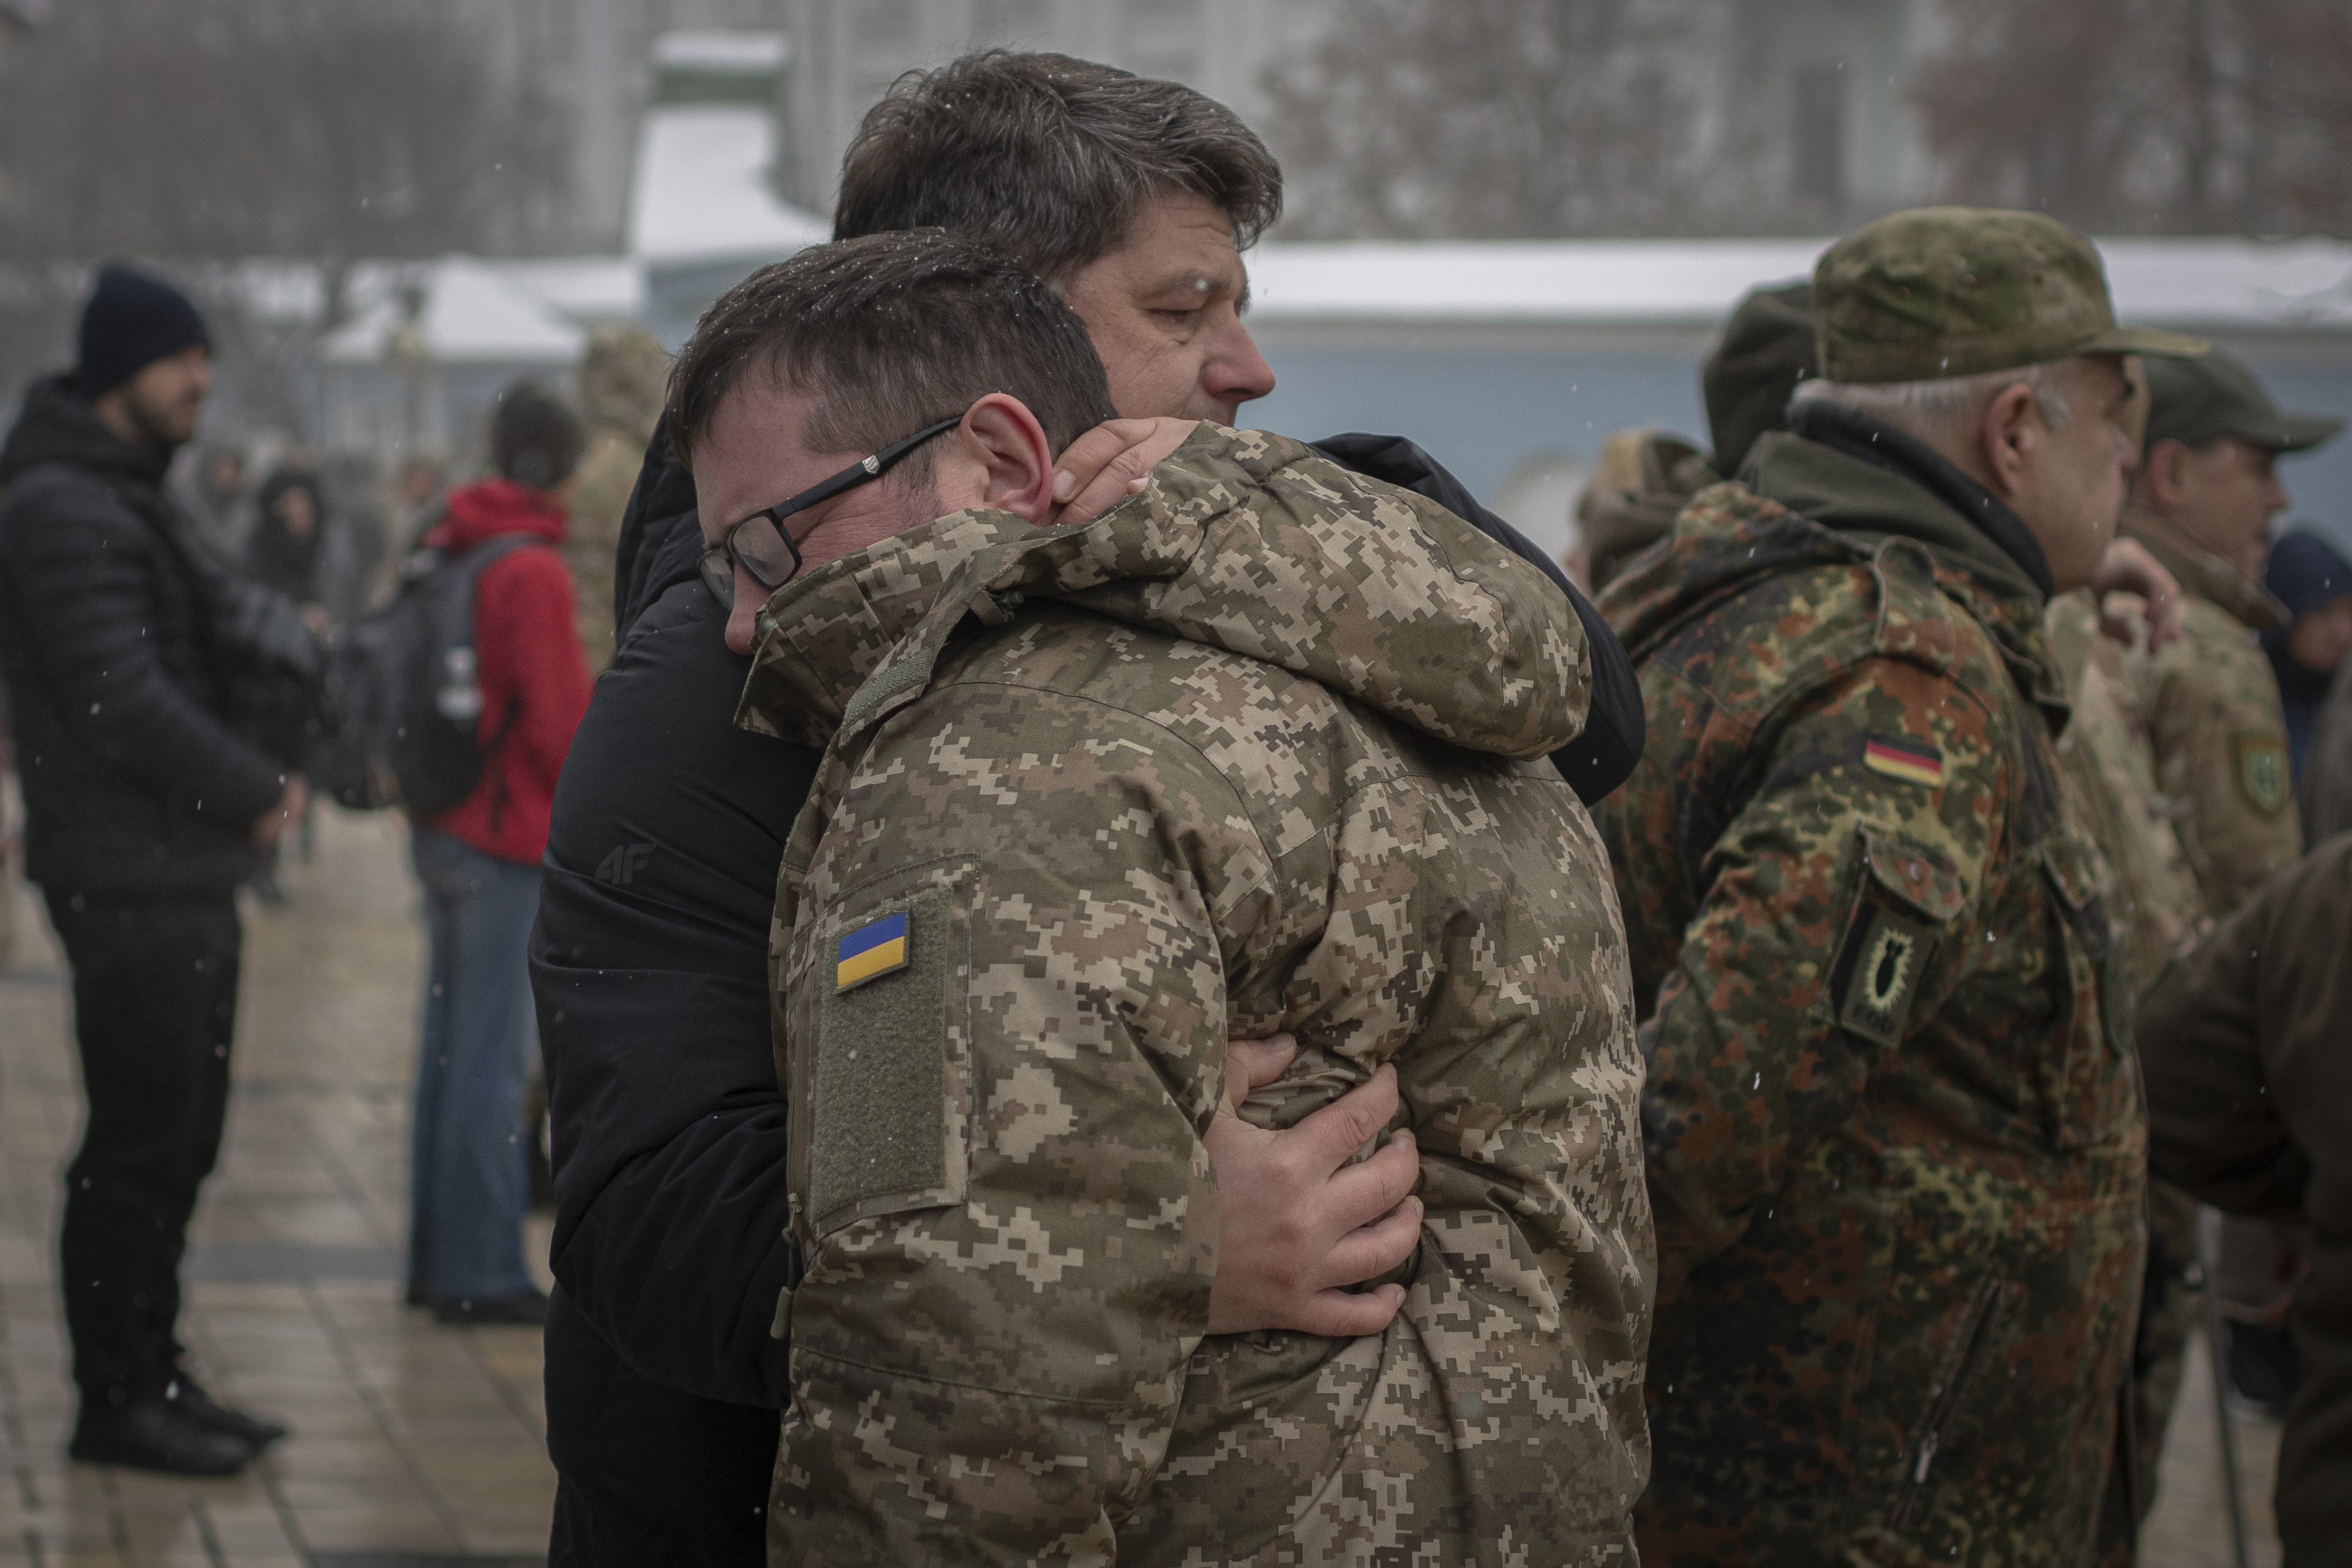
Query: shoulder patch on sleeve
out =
(2262, 770)
(1890, 959)
(882, 1134)
(1909, 892)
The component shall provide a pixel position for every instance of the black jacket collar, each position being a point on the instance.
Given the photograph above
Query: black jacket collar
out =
(58, 426)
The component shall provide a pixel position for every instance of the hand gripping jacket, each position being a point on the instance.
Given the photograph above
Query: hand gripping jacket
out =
(1894, 1140)
(1259, 749)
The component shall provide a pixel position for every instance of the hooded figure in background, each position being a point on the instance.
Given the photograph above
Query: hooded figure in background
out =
(288, 539)
(2311, 578)
(621, 382)
(1648, 475)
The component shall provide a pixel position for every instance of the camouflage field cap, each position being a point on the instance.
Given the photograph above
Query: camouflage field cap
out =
(2195, 401)
(1941, 292)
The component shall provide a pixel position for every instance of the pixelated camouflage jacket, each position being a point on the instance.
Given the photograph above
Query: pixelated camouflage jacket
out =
(1894, 1139)
(2215, 722)
(1259, 749)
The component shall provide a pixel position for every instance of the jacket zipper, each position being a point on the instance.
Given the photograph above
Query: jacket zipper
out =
(1970, 1348)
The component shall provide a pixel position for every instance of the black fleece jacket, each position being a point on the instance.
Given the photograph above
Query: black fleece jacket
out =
(649, 961)
(135, 785)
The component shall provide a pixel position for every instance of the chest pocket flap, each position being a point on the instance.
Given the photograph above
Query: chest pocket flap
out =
(1912, 873)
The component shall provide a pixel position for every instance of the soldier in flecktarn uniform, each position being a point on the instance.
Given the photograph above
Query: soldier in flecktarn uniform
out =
(1895, 1134)
(1261, 748)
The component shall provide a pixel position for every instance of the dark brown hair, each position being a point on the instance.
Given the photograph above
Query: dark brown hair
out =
(535, 438)
(889, 333)
(1048, 158)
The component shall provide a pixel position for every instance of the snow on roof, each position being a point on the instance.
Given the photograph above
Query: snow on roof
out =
(701, 189)
(2218, 284)
(2226, 283)
(1518, 280)
(586, 289)
(730, 53)
(474, 312)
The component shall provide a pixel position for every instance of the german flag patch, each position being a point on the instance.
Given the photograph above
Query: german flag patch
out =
(1900, 757)
(870, 951)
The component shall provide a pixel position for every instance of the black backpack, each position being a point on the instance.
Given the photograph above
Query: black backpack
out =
(404, 691)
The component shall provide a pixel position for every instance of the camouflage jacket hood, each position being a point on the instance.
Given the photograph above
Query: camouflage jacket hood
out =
(1262, 750)
(1499, 662)
(1843, 489)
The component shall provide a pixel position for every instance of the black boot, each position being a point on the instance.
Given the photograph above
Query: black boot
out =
(192, 1400)
(155, 1435)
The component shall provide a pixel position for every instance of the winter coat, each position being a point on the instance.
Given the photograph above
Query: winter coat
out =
(2328, 780)
(1894, 1137)
(1261, 748)
(2249, 1091)
(534, 684)
(650, 969)
(275, 556)
(2215, 720)
(136, 783)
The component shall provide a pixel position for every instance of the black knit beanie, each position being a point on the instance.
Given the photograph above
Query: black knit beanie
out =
(535, 438)
(131, 321)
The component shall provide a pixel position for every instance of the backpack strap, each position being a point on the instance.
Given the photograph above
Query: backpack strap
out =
(456, 630)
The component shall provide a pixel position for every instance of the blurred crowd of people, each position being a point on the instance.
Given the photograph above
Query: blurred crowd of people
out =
(1117, 987)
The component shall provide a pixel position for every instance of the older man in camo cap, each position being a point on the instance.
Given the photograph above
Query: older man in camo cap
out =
(1895, 1142)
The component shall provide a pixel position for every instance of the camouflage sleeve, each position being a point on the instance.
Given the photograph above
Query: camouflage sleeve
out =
(2219, 738)
(1831, 919)
(1010, 1015)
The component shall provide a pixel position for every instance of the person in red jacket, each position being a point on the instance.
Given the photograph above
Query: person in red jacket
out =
(480, 864)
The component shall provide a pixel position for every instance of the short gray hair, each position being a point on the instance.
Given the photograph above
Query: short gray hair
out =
(1934, 409)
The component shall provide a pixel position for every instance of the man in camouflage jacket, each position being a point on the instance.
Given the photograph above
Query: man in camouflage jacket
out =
(1894, 1131)
(2202, 504)
(1259, 749)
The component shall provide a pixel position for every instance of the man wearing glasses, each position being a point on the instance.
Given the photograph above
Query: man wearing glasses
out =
(1262, 748)
(1136, 198)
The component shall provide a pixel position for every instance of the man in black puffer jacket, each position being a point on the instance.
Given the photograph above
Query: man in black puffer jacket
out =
(144, 809)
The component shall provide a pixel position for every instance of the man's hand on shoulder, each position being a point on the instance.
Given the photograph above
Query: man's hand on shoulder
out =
(1299, 1223)
(1111, 462)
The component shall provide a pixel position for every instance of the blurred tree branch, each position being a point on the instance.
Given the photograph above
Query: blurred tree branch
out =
(315, 136)
(1490, 118)
(327, 133)
(2148, 116)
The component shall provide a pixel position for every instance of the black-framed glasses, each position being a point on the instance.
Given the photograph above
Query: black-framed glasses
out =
(761, 545)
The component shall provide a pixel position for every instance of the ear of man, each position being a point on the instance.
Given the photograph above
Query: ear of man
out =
(998, 458)
(2164, 474)
(2010, 438)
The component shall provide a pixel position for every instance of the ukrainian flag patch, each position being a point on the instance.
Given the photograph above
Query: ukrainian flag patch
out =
(872, 950)
(1900, 757)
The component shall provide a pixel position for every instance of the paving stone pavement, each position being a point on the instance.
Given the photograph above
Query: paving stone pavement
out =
(413, 1443)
